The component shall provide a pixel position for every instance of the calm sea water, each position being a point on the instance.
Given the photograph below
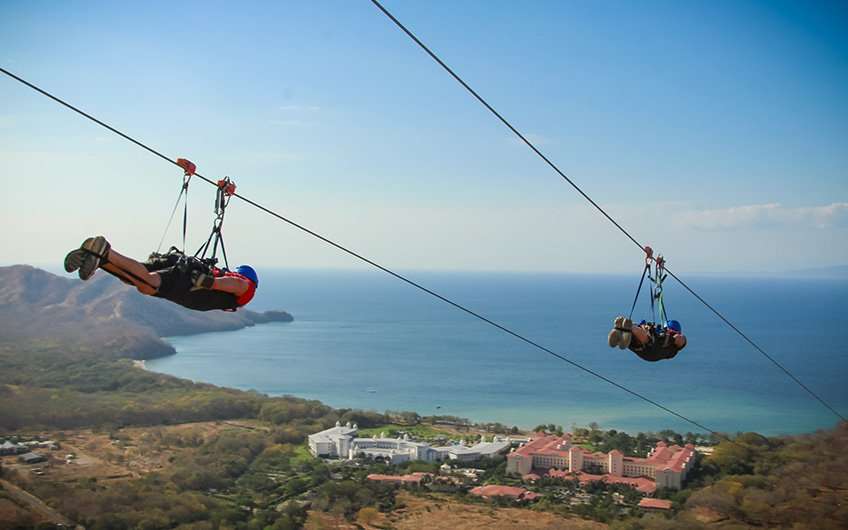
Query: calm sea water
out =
(365, 340)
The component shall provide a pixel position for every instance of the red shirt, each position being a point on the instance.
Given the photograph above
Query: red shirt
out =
(251, 287)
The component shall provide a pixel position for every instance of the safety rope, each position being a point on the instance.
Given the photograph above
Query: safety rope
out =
(639, 289)
(603, 212)
(396, 275)
(183, 195)
(226, 189)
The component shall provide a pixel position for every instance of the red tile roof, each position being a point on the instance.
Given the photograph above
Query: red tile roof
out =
(656, 504)
(642, 484)
(544, 444)
(666, 456)
(504, 491)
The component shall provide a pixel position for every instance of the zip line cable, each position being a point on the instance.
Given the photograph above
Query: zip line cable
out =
(577, 188)
(381, 267)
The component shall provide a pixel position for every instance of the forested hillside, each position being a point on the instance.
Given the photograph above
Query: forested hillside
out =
(797, 482)
(39, 309)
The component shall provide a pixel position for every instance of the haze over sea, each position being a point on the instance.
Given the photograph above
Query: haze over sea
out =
(365, 340)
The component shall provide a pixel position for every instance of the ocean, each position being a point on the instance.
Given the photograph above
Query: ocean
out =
(366, 340)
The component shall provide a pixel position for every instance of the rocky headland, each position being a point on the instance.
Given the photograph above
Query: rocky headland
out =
(102, 315)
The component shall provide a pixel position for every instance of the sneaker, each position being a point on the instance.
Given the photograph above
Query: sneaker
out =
(615, 335)
(614, 338)
(626, 334)
(97, 246)
(626, 339)
(73, 260)
(96, 251)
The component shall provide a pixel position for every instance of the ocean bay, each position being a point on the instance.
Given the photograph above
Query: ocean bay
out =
(363, 340)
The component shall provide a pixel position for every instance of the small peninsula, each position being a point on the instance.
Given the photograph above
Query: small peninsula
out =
(103, 315)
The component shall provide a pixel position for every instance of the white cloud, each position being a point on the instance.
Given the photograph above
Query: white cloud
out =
(767, 216)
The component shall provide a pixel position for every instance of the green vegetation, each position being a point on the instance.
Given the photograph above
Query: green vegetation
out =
(758, 482)
(260, 475)
(421, 431)
(594, 439)
(49, 389)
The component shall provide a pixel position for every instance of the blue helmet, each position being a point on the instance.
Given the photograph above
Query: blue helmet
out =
(675, 325)
(248, 272)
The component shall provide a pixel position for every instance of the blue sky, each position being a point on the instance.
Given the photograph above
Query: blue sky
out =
(714, 131)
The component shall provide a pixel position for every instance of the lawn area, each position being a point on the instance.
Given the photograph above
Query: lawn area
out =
(416, 431)
(302, 454)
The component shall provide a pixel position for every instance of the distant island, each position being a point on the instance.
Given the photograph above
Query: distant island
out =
(37, 307)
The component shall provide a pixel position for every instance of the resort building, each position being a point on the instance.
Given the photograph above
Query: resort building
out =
(333, 442)
(666, 465)
(342, 442)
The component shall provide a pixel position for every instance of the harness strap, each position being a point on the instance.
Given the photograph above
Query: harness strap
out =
(639, 289)
(189, 169)
(226, 189)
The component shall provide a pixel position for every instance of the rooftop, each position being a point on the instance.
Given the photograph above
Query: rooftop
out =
(642, 484)
(545, 444)
(672, 456)
(333, 433)
(504, 491)
(663, 456)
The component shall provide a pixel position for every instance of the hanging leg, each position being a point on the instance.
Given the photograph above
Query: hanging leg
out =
(615, 335)
(133, 271)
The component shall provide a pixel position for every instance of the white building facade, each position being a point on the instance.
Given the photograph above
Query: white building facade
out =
(341, 442)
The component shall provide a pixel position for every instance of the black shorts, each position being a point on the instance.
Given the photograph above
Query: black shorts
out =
(654, 354)
(177, 287)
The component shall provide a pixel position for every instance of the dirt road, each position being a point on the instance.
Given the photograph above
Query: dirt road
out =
(34, 504)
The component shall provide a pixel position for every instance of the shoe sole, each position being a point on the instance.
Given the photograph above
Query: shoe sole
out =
(626, 334)
(97, 246)
(614, 338)
(73, 260)
(89, 265)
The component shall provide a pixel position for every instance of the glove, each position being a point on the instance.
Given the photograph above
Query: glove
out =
(201, 280)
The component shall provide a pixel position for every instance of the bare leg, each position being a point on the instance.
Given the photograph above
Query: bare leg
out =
(146, 282)
(680, 342)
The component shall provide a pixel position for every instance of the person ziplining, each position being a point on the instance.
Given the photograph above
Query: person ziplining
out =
(192, 281)
(79, 254)
(659, 339)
